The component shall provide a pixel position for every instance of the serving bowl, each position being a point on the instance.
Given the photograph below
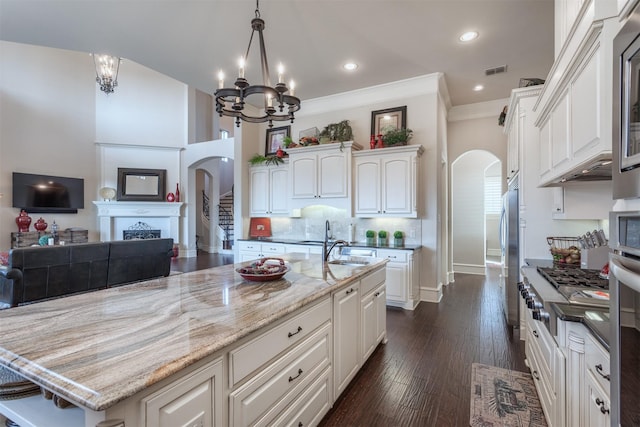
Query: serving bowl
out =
(263, 271)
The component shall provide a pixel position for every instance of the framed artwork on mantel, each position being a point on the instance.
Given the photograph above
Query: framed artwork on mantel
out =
(390, 118)
(275, 139)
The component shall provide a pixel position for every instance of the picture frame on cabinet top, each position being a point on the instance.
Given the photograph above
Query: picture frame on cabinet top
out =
(395, 118)
(275, 139)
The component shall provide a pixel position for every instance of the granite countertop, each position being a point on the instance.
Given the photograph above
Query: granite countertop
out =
(99, 348)
(595, 319)
(319, 243)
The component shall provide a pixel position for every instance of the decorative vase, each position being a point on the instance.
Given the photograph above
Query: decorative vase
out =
(380, 142)
(177, 195)
(371, 241)
(372, 142)
(398, 242)
(171, 197)
(40, 224)
(23, 220)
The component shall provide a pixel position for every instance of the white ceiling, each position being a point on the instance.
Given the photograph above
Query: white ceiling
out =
(190, 40)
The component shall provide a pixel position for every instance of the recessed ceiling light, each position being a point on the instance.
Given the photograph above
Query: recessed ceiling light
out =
(478, 88)
(468, 36)
(350, 66)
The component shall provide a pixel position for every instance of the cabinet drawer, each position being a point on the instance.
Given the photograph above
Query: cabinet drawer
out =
(597, 362)
(310, 406)
(543, 386)
(269, 392)
(272, 249)
(255, 353)
(393, 255)
(543, 342)
(372, 281)
(249, 246)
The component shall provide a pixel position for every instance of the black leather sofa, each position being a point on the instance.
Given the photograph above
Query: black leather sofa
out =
(39, 273)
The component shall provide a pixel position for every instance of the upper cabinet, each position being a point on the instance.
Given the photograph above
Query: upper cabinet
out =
(574, 109)
(268, 194)
(321, 175)
(386, 182)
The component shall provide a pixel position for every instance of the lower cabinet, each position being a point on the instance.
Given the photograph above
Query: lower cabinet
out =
(373, 313)
(251, 250)
(346, 336)
(195, 400)
(403, 277)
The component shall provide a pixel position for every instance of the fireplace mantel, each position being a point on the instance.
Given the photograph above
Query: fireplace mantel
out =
(116, 216)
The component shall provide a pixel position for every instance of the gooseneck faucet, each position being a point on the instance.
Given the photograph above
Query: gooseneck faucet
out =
(326, 249)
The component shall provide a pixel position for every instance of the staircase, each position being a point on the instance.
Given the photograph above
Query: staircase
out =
(225, 219)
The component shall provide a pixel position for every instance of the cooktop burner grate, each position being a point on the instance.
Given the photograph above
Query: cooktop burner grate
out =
(574, 277)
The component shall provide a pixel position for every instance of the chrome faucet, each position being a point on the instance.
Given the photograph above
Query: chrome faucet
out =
(326, 250)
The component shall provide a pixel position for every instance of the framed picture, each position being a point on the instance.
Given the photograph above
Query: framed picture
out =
(275, 139)
(395, 118)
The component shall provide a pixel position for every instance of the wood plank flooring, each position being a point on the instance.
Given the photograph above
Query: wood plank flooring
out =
(422, 376)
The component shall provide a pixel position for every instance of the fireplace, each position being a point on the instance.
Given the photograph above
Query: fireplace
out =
(141, 230)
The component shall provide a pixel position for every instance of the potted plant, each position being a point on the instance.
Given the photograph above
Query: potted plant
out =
(398, 238)
(371, 237)
(382, 238)
(393, 137)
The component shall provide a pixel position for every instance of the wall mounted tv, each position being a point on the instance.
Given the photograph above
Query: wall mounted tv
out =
(47, 194)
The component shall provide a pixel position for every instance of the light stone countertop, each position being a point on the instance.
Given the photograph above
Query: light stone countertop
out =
(99, 348)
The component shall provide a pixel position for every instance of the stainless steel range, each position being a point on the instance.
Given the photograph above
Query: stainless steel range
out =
(579, 286)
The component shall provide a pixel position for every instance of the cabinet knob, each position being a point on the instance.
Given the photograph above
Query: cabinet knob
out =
(535, 375)
(535, 333)
(599, 370)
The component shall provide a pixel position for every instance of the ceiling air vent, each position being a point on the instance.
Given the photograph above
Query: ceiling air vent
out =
(495, 70)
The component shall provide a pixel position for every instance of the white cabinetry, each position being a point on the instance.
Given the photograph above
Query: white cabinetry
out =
(250, 250)
(374, 313)
(547, 365)
(574, 109)
(403, 277)
(268, 192)
(597, 405)
(195, 400)
(386, 182)
(321, 175)
(346, 332)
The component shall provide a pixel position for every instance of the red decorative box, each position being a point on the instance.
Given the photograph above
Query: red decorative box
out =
(260, 227)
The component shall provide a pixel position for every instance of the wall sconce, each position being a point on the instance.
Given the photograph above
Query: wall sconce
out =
(107, 68)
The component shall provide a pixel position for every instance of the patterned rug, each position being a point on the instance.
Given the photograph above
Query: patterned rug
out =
(500, 397)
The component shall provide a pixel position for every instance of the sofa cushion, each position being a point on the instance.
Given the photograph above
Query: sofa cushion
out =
(135, 260)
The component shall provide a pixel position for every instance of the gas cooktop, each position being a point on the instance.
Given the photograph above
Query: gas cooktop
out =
(573, 276)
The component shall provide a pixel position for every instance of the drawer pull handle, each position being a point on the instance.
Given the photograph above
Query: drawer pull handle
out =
(599, 370)
(296, 332)
(349, 291)
(300, 424)
(293, 378)
(377, 294)
(535, 333)
(600, 403)
(535, 375)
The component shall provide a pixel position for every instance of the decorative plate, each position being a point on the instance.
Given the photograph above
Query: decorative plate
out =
(107, 193)
(261, 271)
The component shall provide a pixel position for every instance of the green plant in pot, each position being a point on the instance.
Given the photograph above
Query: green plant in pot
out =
(398, 238)
(394, 137)
(382, 238)
(371, 237)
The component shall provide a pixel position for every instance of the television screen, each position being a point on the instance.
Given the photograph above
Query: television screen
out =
(43, 193)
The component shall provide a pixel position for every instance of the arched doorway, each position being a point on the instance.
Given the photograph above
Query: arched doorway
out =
(476, 178)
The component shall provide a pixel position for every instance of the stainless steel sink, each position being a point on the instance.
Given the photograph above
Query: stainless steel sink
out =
(348, 262)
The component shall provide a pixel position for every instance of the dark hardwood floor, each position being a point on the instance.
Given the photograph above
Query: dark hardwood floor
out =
(422, 376)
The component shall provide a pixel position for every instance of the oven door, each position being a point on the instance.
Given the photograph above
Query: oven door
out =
(626, 109)
(624, 282)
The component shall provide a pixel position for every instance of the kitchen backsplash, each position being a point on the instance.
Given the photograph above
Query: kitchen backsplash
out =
(311, 224)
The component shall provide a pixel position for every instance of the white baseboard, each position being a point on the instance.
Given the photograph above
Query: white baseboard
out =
(469, 269)
(451, 277)
(494, 252)
(628, 318)
(431, 294)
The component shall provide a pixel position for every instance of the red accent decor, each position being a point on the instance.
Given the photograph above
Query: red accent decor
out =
(40, 224)
(23, 220)
(260, 227)
(372, 143)
(171, 197)
(177, 192)
(380, 142)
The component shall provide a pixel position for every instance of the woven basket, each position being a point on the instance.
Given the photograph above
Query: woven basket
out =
(565, 250)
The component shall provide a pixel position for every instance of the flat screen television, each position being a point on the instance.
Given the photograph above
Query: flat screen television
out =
(47, 194)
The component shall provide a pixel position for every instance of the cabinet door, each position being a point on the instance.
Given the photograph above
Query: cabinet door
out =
(346, 317)
(513, 145)
(560, 138)
(369, 309)
(545, 149)
(586, 106)
(278, 191)
(367, 186)
(597, 407)
(193, 401)
(249, 256)
(396, 186)
(332, 175)
(396, 281)
(303, 176)
(259, 192)
(381, 313)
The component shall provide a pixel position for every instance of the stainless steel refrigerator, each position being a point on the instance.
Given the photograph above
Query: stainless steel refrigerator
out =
(509, 241)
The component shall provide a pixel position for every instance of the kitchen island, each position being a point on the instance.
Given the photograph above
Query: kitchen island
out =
(111, 352)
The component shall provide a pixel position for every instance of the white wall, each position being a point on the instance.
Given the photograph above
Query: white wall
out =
(47, 126)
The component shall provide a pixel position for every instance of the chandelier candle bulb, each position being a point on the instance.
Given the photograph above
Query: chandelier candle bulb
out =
(241, 70)
(280, 73)
(220, 79)
(292, 87)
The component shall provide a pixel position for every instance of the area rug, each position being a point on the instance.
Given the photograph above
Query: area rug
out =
(501, 397)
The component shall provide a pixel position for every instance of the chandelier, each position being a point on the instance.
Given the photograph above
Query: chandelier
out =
(107, 68)
(280, 104)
